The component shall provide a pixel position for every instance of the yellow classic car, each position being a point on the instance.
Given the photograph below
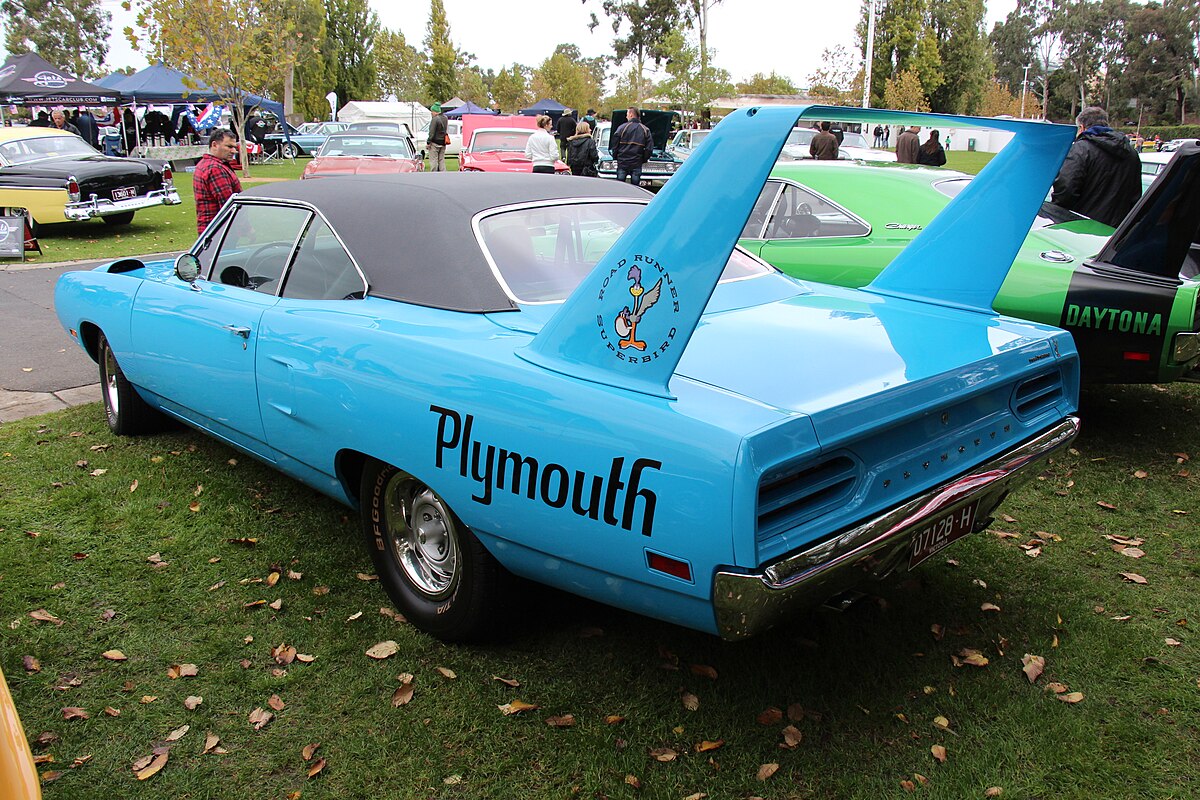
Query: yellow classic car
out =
(59, 178)
(18, 777)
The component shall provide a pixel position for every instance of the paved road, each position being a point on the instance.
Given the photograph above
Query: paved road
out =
(41, 368)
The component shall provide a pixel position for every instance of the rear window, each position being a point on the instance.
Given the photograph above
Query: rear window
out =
(1049, 214)
(541, 254)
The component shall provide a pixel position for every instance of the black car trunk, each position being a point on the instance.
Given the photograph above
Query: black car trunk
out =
(97, 175)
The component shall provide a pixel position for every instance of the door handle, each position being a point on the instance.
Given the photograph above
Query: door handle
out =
(238, 330)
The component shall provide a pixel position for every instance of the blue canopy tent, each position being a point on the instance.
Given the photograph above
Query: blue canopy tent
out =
(112, 80)
(544, 106)
(469, 108)
(159, 84)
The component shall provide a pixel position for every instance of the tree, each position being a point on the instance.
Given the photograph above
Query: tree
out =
(904, 41)
(398, 67)
(628, 92)
(647, 24)
(1160, 54)
(1080, 22)
(838, 81)
(683, 87)
(706, 82)
(965, 65)
(567, 81)
(440, 75)
(223, 45)
(299, 34)
(70, 34)
(472, 87)
(509, 89)
(998, 101)
(350, 30)
(766, 84)
(905, 92)
(1012, 48)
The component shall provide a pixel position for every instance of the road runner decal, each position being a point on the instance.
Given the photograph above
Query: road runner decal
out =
(612, 498)
(621, 337)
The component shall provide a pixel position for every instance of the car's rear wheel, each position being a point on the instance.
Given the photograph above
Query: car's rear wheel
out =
(128, 414)
(119, 219)
(434, 569)
(289, 150)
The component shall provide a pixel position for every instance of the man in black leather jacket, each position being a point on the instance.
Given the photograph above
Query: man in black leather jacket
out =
(1101, 175)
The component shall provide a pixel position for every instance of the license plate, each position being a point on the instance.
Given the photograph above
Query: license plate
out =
(940, 532)
(124, 193)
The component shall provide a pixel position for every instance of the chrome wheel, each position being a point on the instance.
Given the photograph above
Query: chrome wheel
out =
(422, 536)
(112, 393)
(290, 151)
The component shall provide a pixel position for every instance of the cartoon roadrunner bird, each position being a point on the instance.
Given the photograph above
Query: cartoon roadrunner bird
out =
(627, 321)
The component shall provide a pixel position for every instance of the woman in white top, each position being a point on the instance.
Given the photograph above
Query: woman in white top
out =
(541, 148)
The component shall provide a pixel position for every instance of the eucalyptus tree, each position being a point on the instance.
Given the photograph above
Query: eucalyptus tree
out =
(70, 34)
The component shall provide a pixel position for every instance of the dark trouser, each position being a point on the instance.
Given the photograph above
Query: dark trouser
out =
(634, 173)
(544, 169)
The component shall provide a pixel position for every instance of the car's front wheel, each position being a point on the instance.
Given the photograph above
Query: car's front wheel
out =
(289, 150)
(128, 414)
(434, 569)
(123, 218)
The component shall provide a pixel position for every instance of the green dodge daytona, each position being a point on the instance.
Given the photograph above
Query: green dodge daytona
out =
(1128, 297)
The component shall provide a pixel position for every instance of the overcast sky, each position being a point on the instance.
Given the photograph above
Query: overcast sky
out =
(748, 36)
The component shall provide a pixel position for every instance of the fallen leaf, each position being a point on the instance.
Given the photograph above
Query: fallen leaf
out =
(259, 718)
(704, 671)
(941, 722)
(1172, 642)
(362, 576)
(273, 578)
(507, 681)
(51, 776)
(31, 664)
(971, 657)
(178, 733)
(908, 785)
(403, 694)
(276, 604)
(211, 740)
(1133, 577)
(770, 716)
(80, 761)
(632, 780)
(248, 541)
(320, 590)
(112, 712)
(989, 607)
(795, 712)
(192, 702)
(1132, 552)
(147, 699)
(939, 752)
(447, 673)
(993, 791)
(309, 750)
(42, 615)
(1141, 473)
(294, 576)
(1056, 687)
(276, 702)
(613, 719)
(516, 707)
(791, 737)
(305, 658)
(354, 616)
(74, 712)
(690, 701)
(96, 473)
(766, 771)
(1032, 666)
(1106, 506)
(708, 746)
(156, 763)
(194, 506)
(663, 754)
(254, 604)
(383, 650)
(316, 768)
(133, 486)
(564, 721)
(921, 779)
(1071, 697)
(216, 586)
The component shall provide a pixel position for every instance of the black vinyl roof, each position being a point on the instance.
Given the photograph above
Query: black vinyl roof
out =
(411, 233)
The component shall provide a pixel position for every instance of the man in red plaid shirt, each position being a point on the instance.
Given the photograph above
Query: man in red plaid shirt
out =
(214, 181)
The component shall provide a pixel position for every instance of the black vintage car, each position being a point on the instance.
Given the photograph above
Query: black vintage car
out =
(57, 177)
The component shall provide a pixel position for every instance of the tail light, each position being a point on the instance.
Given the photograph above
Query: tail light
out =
(72, 189)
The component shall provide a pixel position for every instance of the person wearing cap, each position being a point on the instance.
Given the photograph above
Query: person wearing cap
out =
(436, 143)
(566, 129)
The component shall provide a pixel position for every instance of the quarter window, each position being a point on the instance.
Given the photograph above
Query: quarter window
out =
(801, 214)
(323, 270)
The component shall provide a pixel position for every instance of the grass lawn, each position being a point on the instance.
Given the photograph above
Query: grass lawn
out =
(967, 161)
(175, 550)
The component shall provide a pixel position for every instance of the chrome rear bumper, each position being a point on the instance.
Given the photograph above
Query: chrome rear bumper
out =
(749, 603)
(87, 209)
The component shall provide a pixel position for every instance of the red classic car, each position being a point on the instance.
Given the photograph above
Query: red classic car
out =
(500, 150)
(363, 153)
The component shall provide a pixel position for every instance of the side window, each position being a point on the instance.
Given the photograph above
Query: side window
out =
(758, 214)
(323, 270)
(801, 214)
(258, 245)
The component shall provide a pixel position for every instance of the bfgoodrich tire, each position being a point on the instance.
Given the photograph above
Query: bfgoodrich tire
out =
(434, 569)
(128, 414)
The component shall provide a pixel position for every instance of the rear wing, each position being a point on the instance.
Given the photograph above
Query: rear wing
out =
(1161, 234)
(627, 323)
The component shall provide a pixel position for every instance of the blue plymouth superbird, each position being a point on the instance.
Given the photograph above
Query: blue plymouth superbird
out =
(566, 380)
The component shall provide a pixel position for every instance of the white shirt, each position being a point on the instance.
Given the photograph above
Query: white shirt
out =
(541, 148)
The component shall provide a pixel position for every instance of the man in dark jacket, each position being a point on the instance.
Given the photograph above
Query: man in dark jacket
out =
(566, 129)
(1101, 176)
(631, 147)
(907, 145)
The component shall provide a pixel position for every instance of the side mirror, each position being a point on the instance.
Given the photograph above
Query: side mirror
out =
(187, 268)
